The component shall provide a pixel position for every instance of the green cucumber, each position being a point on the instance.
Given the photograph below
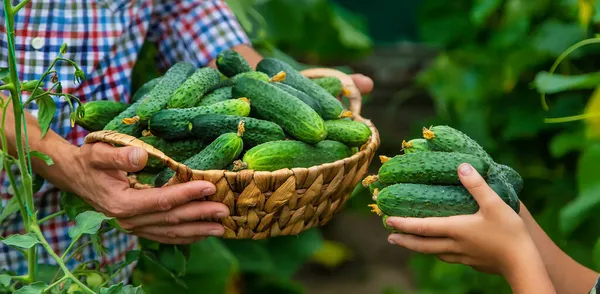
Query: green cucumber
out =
(497, 177)
(417, 145)
(300, 95)
(282, 108)
(97, 114)
(192, 90)
(146, 178)
(349, 132)
(218, 95)
(176, 123)
(448, 139)
(256, 131)
(513, 177)
(216, 156)
(331, 107)
(422, 200)
(277, 155)
(158, 98)
(429, 168)
(261, 76)
(231, 63)
(333, 85)
(179, 150)
(117, 124)
(144, 89)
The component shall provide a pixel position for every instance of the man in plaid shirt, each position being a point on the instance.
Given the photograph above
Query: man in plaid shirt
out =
(105, 39)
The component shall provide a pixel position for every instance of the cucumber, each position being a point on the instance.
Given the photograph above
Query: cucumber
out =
(158, 98)
(513, 177)
(231, 63)
(98, 114)
(416, 145)
(429, 168)
(331, 107)
(144, 89)
(146, 178)
(422, 200)
(261, 76)
(277, 155)
(217, 155)
(333, 85)
(497, 177)
(215, 96)
(349, 132)
(445, 138)
(257, 131)
(192, 90)
(300, 95)
(282, 108)
(179, 150)
(176, 123)
(117, 124)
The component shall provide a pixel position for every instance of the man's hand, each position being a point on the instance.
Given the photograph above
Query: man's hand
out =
(363, 83)
(166, 214)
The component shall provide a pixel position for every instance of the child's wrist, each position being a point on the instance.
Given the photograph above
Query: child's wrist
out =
(525, 265)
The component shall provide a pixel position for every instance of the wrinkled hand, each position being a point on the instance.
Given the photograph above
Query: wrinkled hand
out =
(167, 214)
(493, 240)
(363, 83)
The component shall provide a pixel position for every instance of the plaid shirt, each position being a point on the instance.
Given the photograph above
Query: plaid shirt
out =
(104, 39)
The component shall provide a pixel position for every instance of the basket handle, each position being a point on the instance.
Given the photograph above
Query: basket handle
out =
(182, 172)
(354, 96)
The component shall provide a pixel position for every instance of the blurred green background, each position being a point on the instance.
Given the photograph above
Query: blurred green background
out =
(477, 65)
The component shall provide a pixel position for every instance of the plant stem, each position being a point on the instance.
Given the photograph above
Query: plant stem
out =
(18, 112)
(51, 216)
(36, 230)
(20, 5)
(70, 246)
(7, 87)
(55, 284)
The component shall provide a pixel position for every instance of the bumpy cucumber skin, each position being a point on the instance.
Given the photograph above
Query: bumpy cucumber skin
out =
(278, 106)
(422, 200)
(116, 124)
(179, 150)
(158, 98)
(277, 155)
(146, 178)
(513, 177)
(231, 63)
(497, 177)
(333, 85)
(144, 89)
(429, 168)
(176, 123)
(256, 131)
(217, 155)
(349, 132)
(300, 95)
(99, 113)
(215, 96)
(192, 90)
(418, 145)
(452, 140)
(257, 75)
(330, 106)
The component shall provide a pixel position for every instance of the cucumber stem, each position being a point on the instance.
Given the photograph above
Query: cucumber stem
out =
(279, 77)
(370, 180)
(131, 120)
(406, 145)
(345, 114)
(239, 165)
(428, 133)
(384, 158)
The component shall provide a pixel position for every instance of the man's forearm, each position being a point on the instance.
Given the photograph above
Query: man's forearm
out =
(568, 276)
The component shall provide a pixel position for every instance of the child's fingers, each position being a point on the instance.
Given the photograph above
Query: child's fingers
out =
(424, 244)
(451, 257)
(477, 186)
(427, 227)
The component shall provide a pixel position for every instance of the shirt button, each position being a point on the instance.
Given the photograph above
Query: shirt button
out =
(37, 43)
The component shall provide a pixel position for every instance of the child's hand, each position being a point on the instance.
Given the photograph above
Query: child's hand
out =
(493, 240)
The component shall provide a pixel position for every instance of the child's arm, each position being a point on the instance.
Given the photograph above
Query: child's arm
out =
(568, 276)
(493, 240)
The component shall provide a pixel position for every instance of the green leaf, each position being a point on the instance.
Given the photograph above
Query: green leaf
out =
(554, 37)
(554, 83)
(291, 252)
(47, 272)
(252, 255)
(349, 35)
(596, 254)
(88, 222)
(482, 10)
(73, 205)
(11, 207)
(5, 280)
(34, 288)
(38, 182)
(120, 288)
(43, 157)
(47, 108)
(4, 75)
(239, 9)
(24, 241)
(566, 142)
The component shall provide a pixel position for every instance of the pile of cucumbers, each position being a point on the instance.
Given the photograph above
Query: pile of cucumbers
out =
(423, 181)
(233, 118)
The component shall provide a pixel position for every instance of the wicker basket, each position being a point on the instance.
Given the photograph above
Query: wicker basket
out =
(284, 202)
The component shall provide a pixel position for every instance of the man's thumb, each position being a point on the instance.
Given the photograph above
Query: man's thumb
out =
(129, 159)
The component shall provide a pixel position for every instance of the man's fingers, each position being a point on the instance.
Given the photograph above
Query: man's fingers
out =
(173, 241)
(186, 230)
(476, 185)
(427, 227)
(363, 83)
(425, 245)
(105, 156)
(193, 211)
